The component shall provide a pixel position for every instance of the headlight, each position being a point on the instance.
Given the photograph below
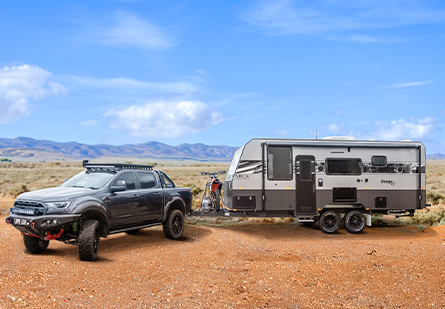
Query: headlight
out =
(59, 204)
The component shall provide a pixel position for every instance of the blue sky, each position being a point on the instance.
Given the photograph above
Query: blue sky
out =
(222, 72)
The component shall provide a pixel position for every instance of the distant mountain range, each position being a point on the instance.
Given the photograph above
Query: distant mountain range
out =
(436, 156)
(27, 147)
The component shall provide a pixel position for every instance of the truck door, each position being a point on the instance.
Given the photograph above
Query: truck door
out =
(124, 206)
(305, 185)
(152, 196)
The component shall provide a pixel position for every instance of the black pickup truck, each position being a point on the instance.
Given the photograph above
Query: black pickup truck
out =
(102, 200)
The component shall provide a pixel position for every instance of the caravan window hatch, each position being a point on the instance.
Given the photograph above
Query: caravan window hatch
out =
(379, 161)
(337, 166)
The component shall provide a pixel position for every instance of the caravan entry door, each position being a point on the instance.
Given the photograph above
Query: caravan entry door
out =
(305, 185)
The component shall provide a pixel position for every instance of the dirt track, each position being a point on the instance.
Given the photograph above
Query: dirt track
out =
(232, 265)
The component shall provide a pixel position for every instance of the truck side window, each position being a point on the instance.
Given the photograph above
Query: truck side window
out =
(167, 182)
(129, 180)
(279, 163)
(147, 180)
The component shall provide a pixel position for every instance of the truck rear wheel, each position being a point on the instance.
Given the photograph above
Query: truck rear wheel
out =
(354, 221)
(329, 222)
(88, 241)
(174, 225)
(34, 244)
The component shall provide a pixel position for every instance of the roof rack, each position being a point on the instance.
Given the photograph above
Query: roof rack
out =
(115, 166)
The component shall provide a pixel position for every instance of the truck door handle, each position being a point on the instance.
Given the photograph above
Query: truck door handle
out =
(157, 194)
(136, 196)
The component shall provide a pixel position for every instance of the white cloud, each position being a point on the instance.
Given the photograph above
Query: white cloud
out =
(19, 84)
(335, 127)
(411, 84)
(128, 29)
(128, 83)
(90, 123)
(337, 113)
(404, 129)
(166, 119)
(285, 17)
(359, 38)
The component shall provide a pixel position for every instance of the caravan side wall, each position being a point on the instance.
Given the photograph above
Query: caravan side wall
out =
(303, 177)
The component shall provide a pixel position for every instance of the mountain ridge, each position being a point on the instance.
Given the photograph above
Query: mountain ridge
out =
(152, 149)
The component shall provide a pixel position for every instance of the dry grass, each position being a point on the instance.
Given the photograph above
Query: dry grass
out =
(435, 182)
(16, 178)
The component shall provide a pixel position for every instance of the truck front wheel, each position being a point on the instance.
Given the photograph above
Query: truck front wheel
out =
(88, 241)
(34, 244)
(174, 225)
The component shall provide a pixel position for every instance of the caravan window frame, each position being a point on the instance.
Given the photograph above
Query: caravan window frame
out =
(329, 171)
(270, 167)
(374, 163)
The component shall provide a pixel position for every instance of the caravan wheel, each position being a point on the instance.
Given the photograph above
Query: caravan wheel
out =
(329, 222)
(354, 221)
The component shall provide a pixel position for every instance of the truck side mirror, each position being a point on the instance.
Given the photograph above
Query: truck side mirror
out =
(118, 187)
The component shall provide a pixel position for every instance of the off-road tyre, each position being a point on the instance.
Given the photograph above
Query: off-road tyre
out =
(354, 222)
(329, 222)
(216, 200)
(132, 232)
(88, 241)
(35, 245)
(174, 225)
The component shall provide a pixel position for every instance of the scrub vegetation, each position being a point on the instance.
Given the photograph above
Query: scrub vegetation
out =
(19, 177)
(16, 177)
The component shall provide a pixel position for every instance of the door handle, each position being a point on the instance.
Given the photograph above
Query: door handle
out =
(157, 194)
(136, 196)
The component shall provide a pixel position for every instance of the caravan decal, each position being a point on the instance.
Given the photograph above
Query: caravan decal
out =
(249, 167)
(389, 182)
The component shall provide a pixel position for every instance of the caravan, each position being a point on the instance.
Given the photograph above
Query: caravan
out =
(326, 180)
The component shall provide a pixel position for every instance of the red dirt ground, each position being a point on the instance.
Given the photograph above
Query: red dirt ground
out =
(231, 265)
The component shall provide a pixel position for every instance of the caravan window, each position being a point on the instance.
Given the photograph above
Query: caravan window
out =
(378, 161)
(337, 166)
(279, 163)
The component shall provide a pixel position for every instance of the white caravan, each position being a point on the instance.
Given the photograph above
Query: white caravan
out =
(320, 180)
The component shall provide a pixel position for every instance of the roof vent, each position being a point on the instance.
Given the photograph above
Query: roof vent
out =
(340, 138)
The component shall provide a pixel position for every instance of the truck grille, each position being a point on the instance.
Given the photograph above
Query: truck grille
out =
(28, 208)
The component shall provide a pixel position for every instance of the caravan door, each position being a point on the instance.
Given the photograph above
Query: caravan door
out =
(305, 185)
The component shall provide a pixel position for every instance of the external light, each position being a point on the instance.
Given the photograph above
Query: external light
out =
(59, 204)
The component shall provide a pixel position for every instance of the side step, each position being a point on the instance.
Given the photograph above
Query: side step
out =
(134, 228)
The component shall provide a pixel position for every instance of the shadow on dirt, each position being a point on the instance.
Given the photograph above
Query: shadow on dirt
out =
(295, 231)
(146, 238)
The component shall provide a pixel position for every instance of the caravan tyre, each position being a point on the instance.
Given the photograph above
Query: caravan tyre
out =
(329, 222)
(354, 221)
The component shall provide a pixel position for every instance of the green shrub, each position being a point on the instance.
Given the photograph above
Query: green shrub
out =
(195, 189)
(429, 217)
(17, 190)
(421, 228)
(435, 197)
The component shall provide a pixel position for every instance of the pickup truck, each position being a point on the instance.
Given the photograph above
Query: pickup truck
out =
(104, 199)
